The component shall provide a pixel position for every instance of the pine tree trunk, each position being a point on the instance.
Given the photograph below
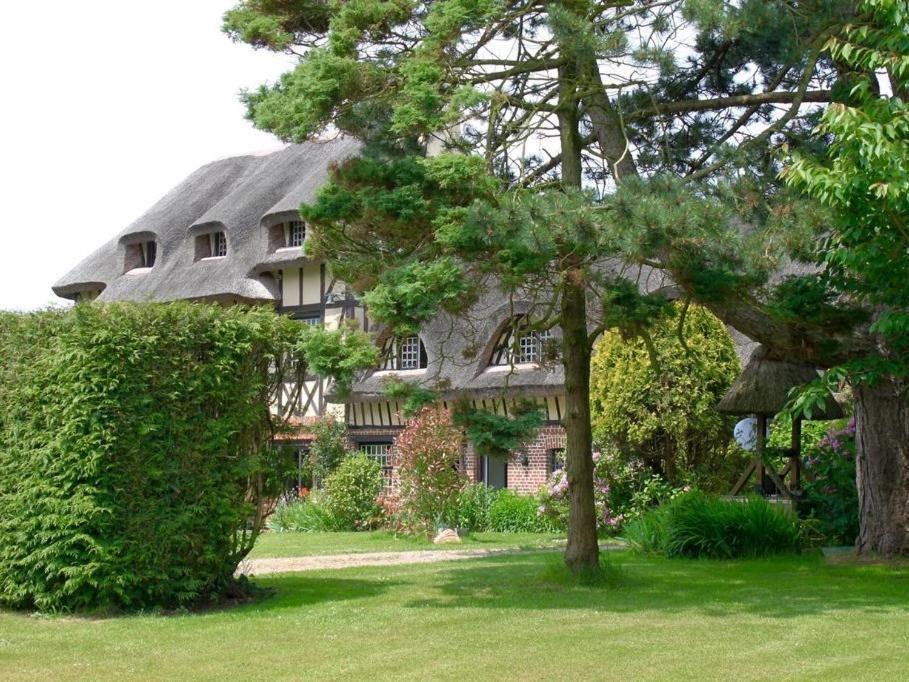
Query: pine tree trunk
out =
(882, 468)
(583, 551)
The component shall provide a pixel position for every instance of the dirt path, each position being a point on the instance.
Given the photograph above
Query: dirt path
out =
(329, 561)
(314, 563)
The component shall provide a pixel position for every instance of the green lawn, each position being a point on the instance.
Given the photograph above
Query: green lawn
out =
(272, 545)
(509, 617)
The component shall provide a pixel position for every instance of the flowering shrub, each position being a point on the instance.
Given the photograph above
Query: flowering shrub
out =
(830, 490)
(622, 491)
(428, 455)
(352, 491)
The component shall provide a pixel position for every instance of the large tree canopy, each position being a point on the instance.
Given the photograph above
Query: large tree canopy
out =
(685, 107)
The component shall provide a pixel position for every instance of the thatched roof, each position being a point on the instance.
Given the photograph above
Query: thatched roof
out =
(238, 196)
(245, 195)
(763, 387)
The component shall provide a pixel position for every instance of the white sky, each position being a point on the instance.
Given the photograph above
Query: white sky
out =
(103, 108)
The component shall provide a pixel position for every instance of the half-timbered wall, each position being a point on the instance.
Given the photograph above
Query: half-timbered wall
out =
(309, 294)
(388, 412)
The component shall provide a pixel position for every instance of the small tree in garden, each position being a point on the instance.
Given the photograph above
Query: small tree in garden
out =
(429, 457)
(329, 446)
(655, 399)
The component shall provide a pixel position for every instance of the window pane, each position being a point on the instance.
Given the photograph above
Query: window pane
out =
(149, 253)
(376, 451)
(296, 233)
(219, 247)
(410, 352)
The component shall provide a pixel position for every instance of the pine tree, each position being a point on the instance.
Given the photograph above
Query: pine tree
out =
(681, 106)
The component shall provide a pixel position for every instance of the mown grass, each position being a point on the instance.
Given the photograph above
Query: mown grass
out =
(514, 617)
(271, 545)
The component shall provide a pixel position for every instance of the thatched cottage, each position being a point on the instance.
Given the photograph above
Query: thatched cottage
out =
(231, 233)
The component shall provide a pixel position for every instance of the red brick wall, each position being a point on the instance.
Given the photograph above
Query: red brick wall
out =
(530, 477)
(524, 478)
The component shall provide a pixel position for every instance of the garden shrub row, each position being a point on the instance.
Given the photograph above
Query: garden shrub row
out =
(134, 458)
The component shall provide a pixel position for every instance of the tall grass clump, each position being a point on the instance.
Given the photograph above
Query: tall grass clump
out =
(700, 525)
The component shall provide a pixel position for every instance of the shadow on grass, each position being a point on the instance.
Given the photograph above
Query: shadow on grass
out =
(292, 590)
(780, 587)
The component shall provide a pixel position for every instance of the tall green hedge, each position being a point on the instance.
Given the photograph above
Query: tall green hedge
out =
(133, 450)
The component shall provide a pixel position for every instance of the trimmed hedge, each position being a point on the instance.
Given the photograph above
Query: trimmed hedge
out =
(133, 451)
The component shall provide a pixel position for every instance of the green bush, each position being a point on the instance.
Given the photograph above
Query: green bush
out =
(699, 525)
(309, 515)
(474, 503)
(352, 490)
(135, 466)
(329, 446)
(514, 513)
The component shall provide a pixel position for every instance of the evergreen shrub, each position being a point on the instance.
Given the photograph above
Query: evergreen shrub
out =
(653, 400)
(699, 525)
(135, 466)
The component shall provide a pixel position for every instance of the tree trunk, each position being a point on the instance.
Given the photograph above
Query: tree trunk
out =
(882, 468)
(582, 552)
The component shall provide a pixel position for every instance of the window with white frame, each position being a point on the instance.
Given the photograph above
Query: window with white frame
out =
(141, 255)
(381, 453)
(294, 233)
(377, 451)
(518, 344)
(148, 254)
(403, 352)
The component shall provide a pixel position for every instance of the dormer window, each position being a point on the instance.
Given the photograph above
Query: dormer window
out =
(294, 233)
(211, 245)
(519, 344)
(403, 353)
(290, 234)
(141, 256)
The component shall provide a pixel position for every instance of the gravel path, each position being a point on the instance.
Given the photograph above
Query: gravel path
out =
(314, 563)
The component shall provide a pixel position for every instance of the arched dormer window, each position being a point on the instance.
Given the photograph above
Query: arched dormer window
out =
(141, 255)
(520, 344)
(211, 245)
(403, 352)
(289, 234)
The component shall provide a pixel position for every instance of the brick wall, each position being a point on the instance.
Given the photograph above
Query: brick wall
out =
(528, 478)
(523, 478)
